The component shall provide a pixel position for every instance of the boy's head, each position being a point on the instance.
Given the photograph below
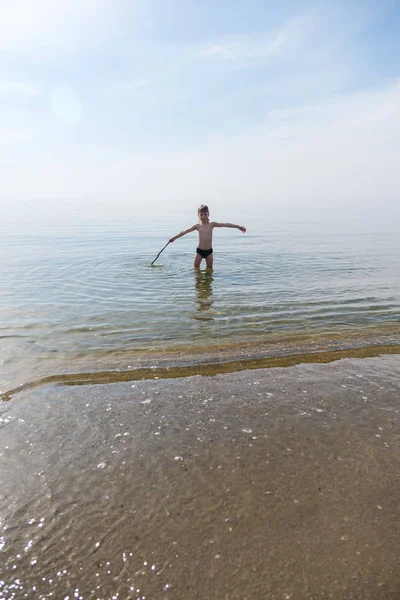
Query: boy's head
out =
(203, 212)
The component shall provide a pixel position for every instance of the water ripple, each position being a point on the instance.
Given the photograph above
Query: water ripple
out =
(76, 292)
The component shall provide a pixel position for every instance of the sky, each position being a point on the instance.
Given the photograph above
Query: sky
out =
(124, 107)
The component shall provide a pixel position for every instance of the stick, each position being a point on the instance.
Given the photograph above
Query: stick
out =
(159, 254)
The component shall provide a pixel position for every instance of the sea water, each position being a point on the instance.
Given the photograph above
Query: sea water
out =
(196, 487)
(91, 289)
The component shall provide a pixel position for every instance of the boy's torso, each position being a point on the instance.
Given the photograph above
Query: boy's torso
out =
(205, 235)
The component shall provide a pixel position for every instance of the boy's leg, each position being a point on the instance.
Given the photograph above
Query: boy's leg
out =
(197, 260)
(209, 260)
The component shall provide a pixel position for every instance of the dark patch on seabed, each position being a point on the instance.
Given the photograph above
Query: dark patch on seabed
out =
(185, 362)
(279, 483)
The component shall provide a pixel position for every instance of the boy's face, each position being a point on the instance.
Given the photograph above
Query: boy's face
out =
(203, 216)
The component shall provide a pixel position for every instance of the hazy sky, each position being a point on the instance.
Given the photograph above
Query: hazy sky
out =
(119, 106)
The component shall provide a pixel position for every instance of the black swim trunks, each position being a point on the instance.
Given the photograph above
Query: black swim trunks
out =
(204, 253)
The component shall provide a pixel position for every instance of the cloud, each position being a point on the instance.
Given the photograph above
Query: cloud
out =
(218, 51)
(34, 25)
(341, 153)
(133, 85)
(26, 88)
(14, 136)
(288, 38)
(339, 150)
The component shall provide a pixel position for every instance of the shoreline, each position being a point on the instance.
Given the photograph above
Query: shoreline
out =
(203, 369)
(272, 351)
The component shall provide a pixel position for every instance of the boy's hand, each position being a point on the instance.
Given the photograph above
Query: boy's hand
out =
(242, 229)
(171, 240)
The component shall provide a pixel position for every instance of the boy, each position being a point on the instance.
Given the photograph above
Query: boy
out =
(205, 229)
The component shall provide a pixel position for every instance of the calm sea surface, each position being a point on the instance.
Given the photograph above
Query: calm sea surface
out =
(80, 290)
(197, 487)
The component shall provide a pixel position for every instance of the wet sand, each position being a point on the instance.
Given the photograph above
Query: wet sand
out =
(278, 483)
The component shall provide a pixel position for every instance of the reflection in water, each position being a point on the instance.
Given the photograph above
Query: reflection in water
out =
(204, 300)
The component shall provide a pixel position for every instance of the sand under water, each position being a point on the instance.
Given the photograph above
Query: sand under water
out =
(277, 483)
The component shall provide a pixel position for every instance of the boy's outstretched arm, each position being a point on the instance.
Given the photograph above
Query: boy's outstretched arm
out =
(183, 233)
(242, 229)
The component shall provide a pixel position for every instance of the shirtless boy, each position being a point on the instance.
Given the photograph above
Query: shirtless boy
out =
(205, 229)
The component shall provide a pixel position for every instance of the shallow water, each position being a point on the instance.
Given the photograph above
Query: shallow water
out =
(277, 483)
(91, 290)
(121, 480)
